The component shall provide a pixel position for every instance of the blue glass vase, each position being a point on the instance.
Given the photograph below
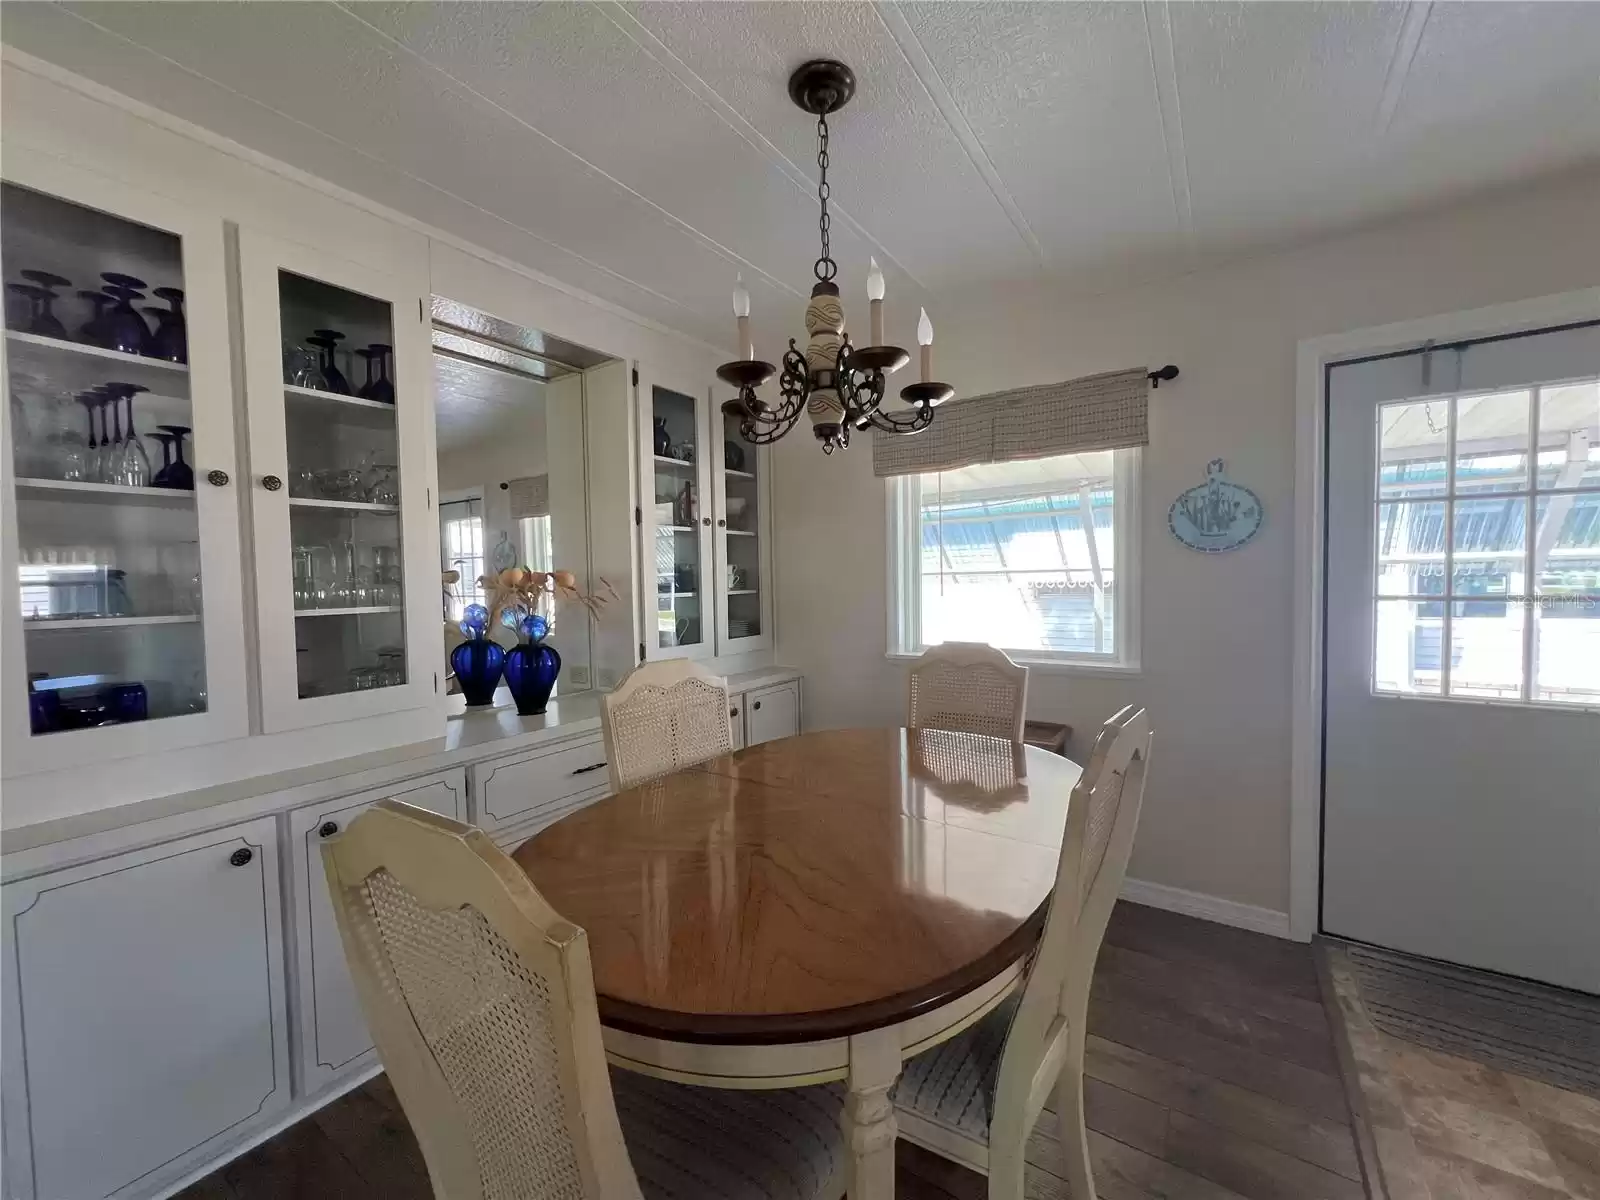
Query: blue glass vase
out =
(477, 663)
(531, 670)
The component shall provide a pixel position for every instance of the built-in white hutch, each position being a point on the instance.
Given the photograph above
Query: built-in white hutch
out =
(208, 670)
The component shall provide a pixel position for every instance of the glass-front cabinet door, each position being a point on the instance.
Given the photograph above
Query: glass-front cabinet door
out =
(676, 526)
(121, 525)
(346, 545)
(744, 601)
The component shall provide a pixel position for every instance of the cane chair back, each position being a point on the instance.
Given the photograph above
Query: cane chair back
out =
(967, 687)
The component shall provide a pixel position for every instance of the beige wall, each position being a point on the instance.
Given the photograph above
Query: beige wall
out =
(1216, 628)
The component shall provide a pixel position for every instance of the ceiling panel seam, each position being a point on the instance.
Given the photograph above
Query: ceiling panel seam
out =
(653, 47)
(1400, 60)
(705, 239)
(928, 75)
(359, 152)
(1169, 109)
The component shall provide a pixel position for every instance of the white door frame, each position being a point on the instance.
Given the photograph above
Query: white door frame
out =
(1313, 357)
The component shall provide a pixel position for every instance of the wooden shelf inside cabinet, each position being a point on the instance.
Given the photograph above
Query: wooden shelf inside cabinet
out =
(744, 592)
(678, 595)
(352, 409)
(37, 343)
(69, 623)
(683, 464)
(109, 491)
(676, 528)
(364, 611)
(741, 533)
(357, 506)
(732, 474)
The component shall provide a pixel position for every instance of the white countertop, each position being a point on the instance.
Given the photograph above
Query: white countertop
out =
(471, 735)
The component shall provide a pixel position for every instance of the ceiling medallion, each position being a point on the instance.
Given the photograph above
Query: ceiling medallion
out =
(839, 385)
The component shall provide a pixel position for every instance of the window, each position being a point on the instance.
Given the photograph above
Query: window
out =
(1037, 558)
(533, 535)
(1487, 582)
(461, 548)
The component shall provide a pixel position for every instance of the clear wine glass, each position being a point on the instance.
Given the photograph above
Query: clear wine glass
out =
(133, 466)
(110, 452)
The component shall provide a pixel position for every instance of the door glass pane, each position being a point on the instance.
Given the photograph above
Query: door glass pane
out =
(1408, 635)
(344, 487)
(1490, 534)
(1567, 641)
(1569, 436)
(1492, 443)
(1486, 648)
(1413, 442)
(1567, 544)
(744, 580)
(680, 581)
(1410, 548)
(101, 423)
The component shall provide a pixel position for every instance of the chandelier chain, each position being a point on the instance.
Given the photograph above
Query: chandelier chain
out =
(825, 267)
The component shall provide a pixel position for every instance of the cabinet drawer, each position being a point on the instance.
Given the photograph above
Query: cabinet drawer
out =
(510, 838)
(512, 791)
(772, 712)
(156, 1030)
(333, 1034)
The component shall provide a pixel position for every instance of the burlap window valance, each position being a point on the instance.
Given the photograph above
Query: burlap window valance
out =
(1098, 412)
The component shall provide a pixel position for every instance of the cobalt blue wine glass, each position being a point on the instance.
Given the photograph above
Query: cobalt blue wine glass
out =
(171, 338)
(125, 329)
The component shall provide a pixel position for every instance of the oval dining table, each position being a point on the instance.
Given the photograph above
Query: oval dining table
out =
(812, 909)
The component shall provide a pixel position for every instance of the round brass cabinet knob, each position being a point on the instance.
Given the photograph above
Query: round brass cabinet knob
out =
(217, 478)
(271, 482)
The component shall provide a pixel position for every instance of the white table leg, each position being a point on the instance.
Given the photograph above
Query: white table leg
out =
(869, 1124)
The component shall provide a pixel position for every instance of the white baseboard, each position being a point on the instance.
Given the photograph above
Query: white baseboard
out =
(1207, 908)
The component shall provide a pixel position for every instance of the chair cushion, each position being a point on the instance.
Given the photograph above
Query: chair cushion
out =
(694, 1143)
(953, 1083)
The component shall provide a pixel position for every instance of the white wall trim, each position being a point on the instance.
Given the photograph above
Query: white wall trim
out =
(1207, 908)
(1313, 355)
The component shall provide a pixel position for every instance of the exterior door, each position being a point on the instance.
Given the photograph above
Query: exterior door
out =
(1461, 778)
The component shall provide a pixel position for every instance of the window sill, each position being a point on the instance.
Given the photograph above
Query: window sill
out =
(1053, 666)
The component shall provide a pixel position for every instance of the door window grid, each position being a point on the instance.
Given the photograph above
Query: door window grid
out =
(1489, 531)
(461, 540)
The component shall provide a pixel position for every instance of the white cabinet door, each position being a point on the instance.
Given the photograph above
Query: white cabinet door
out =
(742, 494)
(144, 1014)
(333, 1034)
(130, 600)
(772, 712)
(678, 576)
(737, 704)
(346, 538)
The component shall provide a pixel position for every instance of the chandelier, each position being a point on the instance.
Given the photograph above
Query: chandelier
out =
(839, 385)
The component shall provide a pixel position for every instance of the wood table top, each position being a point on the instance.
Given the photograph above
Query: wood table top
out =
(811, 887)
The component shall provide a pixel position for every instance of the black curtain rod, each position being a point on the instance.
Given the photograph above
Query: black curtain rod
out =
(1168, 373)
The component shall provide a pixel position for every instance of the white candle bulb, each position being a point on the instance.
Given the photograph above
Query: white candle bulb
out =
(925, 340)
(741, 313)
(875, 296)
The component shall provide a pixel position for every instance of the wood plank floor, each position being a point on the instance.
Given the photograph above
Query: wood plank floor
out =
(1213, 1077)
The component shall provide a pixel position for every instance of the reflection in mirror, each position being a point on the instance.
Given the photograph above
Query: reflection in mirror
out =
(512, 490)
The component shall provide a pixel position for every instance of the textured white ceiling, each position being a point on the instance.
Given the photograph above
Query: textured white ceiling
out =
(473, 403)
(647, 152)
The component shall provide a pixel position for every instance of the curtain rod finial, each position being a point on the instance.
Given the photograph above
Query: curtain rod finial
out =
(1168, 373)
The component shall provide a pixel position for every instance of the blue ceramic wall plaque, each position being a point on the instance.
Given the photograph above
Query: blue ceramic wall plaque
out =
(1217, 515)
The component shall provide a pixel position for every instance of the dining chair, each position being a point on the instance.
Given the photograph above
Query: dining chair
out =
(481, 1002)
(974, 1099)
(967, 687)
(663, 717)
